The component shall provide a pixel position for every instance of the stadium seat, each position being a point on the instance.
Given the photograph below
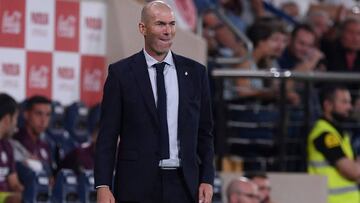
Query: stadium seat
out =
(36, 185)
(94, 117)
(76, 122)
(66, 187)
(86, 187)
(57, 136)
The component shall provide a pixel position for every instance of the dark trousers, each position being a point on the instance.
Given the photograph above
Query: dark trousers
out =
(169, 188)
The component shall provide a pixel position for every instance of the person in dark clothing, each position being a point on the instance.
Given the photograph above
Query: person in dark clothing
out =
(10, 186)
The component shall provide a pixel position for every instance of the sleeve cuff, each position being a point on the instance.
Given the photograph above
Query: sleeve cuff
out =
(101, 186)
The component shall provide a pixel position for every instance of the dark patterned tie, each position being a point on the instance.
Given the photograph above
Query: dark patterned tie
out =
(161, 109)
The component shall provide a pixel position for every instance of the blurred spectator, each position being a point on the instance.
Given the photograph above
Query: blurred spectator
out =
(10, 186)
(242, 190)
(292, 9)
(82, 157)
(243, 13)
(269, 38)
(30, 145)
(220, 39)
(185, 13)
(320, 21)
(344, 54)
(302, 54)
(329, 149)
(263, 183)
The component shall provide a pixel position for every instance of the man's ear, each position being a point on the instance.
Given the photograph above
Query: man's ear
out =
(142, 28)
(328, 105)
(7, 120)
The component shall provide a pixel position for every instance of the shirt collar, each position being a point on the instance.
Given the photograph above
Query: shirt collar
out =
(150, 61)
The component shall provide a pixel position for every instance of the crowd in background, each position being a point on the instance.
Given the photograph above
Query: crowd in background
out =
(286, 35)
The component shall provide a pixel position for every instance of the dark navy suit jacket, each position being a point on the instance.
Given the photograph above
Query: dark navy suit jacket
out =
(128, 111)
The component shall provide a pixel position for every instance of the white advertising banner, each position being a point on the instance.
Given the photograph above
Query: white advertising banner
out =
(66, 77)
(39, 34)
(12, 73)
(93, 28)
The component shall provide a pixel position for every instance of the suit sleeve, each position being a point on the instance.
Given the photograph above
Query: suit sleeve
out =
(205, 136)
(110, 121)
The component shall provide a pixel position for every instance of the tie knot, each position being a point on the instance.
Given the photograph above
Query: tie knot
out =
(159, 67)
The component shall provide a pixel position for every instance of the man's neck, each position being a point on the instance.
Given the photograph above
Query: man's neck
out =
(158, 56)
(32, 134)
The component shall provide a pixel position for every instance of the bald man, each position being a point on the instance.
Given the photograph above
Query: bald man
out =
(158, 104)
(242, 190)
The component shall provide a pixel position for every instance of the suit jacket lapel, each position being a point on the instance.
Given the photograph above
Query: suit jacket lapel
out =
(142, 78)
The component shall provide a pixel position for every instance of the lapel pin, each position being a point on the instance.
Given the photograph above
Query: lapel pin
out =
(186, 73)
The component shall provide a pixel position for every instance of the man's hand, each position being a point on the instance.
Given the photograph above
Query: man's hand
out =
(205, 193)
(104, 195)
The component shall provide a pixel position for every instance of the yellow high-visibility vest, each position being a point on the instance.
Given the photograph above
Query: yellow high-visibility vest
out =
(340, 189)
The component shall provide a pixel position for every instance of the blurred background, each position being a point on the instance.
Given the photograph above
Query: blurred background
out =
(267, 61)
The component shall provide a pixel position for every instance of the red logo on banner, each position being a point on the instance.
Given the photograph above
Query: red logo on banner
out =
(66, 73)
(38, 76)
(12, 23)
(93, 23)
(67, 26)
(92, 79)
(40, 18)
(11, 69)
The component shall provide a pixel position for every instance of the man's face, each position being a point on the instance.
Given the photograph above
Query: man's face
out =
(264, 188)
(350, 37)
(341, 104)
(158, 30)
(302, 44)
(249, 194)
(11, 126)
(277, 43)
(38, 117)
(321, 25)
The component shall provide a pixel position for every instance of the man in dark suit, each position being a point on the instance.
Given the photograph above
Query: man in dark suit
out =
(157, 104)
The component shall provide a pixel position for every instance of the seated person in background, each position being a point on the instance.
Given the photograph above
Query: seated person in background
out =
(292, 9)
(329, 149)
(82, 157)
(263, 183)
(242, 190)
(220, 39)
(301, 53)
(10, 186)
(343, 54)
(29, 143)
(321, 23)
(269, 38)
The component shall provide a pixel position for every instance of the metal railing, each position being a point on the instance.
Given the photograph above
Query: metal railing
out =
(308, 78)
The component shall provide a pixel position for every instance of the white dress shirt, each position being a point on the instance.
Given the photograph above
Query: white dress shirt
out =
(172, 103)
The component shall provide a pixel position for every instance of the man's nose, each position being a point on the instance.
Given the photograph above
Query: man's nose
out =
(167, 29)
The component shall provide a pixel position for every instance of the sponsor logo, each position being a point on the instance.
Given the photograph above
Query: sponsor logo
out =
(92, 80)
(40, 18)
(66, 27)
(11, 22)
(93, 23)
(66, 73)
(11, 69)
(39, 76)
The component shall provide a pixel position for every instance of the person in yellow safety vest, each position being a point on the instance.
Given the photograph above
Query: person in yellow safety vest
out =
(329, 148)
